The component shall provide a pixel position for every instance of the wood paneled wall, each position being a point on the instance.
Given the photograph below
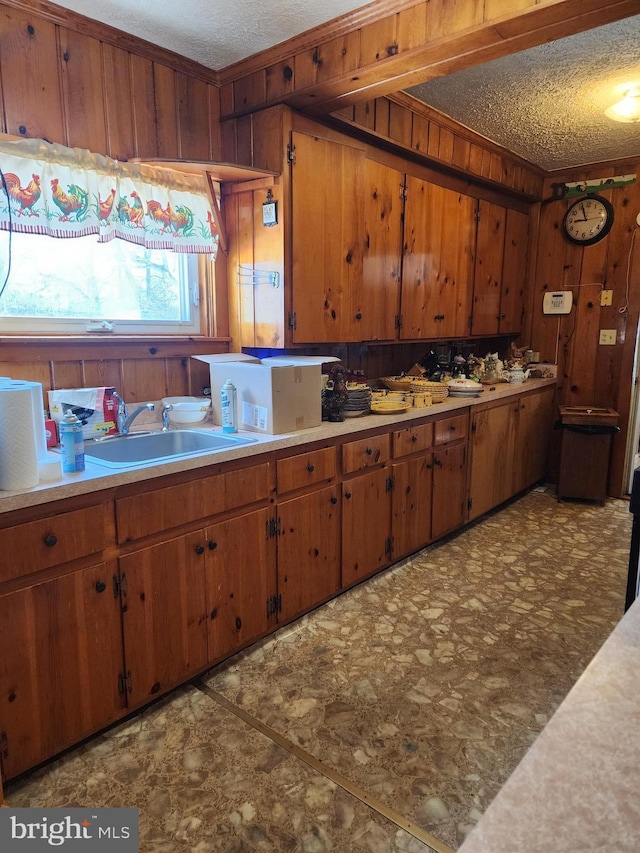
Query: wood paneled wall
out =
(70, 80)
(139, 371)
(418, 128)
(590, 373)
(60, 83)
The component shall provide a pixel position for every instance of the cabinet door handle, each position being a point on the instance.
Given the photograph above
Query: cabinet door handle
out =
(453, 427)
(100, 586)
(199, 549)
(212, 545)
(50, 540)
(368, 451)
(359, 315)
(347, 495)
(437, 462)
(311, 468)
(334, 499)
(414, 438)
(155, 687)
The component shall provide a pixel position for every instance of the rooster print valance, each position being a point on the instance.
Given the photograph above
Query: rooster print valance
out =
(71, 192)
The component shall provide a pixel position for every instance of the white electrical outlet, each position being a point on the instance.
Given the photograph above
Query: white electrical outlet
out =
(606, 297)
(608, 337)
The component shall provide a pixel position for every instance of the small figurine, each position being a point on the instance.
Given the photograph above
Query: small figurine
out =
(334, 395)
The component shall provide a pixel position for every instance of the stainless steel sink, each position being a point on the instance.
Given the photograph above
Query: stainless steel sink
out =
(134, 449)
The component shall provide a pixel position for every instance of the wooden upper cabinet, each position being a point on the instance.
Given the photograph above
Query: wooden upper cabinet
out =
(487, 286)
(439, 232)
(514, 270)
(383, 203)
(327, 229)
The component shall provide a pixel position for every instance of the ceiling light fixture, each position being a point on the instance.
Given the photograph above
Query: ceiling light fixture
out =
(628, 109)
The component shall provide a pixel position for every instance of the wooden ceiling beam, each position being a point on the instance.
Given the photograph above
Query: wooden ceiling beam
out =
(313, 87)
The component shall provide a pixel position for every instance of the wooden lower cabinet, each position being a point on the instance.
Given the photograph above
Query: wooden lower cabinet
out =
(366, 525)
(491, 477)
(240, 581)
(508, 449)
(534, 418)
(308, 551)
(449, 489)
(411, 504)
(60, 665)
(164, 615)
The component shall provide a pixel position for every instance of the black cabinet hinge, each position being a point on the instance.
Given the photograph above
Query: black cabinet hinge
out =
(390, 484)
(124, 683)
(274, 605)
(4, 745)
(388, 546)
(398, 321)
(469, 503)
(273, 527)
(293, 320)
(291, 154)
(471, 318)
(474, 427)
(120, 585)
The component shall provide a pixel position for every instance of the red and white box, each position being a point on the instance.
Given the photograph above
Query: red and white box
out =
(95, 407)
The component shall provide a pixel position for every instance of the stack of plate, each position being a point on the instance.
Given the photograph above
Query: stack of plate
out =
(464, 388)
(358, 400)
(438, 390)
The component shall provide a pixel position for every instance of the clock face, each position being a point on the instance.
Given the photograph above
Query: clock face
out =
(588, 220)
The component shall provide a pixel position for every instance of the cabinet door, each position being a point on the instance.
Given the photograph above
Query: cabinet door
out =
(59, 666)
(383, 203)
(240, 581)
(449, 489)
(327, 231)
(308, 551)
(437, 274)
(366, 524)
(492, 433)
(164, 615)
(531, 438)
(487, 281)
(514, 271)
(411, 505)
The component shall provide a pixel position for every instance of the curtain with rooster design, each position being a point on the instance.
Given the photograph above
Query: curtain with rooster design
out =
(70, 192)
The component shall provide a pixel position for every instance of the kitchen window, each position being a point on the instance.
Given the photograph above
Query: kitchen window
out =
(89, 244)
(78, 285)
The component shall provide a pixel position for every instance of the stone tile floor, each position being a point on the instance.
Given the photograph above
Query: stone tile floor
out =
(418, 692)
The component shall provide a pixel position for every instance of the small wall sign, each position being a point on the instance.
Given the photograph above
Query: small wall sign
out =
(269, 213)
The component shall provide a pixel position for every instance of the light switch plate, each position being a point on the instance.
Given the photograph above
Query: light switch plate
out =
(606, 297)
(607, 337)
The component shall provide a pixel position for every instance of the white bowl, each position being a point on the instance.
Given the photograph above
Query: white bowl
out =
(187, 410)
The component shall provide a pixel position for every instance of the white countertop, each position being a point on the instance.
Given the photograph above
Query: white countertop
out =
(577, 788)
(97, 477)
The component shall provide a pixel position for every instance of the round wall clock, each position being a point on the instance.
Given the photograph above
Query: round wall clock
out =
(588, 220)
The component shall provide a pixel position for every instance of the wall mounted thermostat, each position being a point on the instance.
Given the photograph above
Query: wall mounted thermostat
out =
(558, 302)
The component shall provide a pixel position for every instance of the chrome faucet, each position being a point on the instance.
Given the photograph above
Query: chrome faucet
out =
(166, 408)
(124, 419)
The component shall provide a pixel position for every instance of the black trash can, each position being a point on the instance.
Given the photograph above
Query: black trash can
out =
(585, 451)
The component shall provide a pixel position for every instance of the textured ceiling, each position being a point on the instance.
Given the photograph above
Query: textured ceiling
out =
(546, 104)
(215, 34)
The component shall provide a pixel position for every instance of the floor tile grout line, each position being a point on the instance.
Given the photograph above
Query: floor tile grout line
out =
(372, 802)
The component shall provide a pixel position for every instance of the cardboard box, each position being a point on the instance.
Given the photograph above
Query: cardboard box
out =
(95, 407)
(275, 395)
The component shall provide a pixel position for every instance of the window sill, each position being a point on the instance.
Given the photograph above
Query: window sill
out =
(53, 348)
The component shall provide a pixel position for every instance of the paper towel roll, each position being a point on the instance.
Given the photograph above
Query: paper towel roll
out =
(37, 417)
(18, 446)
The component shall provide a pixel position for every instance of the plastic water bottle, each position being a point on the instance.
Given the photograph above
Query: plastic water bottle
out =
(72, 443)
(228, 400)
